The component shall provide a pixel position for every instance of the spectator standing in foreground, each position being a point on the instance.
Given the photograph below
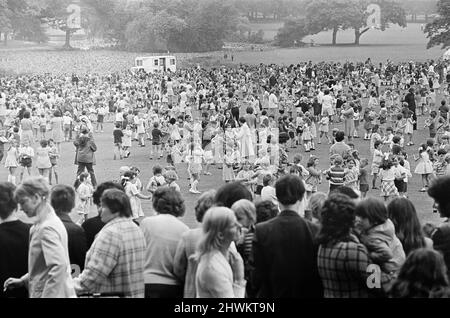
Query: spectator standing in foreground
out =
(62, 199)
(93, 225)
(441, 234)
(162, 234)
(48, 258)
(284, 251)
(115, 261)
(184, 262)
(14, 235)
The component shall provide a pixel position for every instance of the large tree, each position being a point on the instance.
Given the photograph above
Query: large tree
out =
(438, 31)
(335, 15)
(391, 13)
(5, 19)
(324, 15)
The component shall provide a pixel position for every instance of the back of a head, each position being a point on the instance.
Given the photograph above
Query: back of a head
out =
(204, 202)
(347, 191)
(265, 210)
(423, 272)
(168, 201)
(7, 203)
(62, 198)
(289, 190)
(438, 190)
(340, 135)
(117, 201)
(337, 218)
(102, 188)
(231, 192)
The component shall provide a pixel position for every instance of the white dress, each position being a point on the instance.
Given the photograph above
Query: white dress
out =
(424, 166)
(136, 207)
(126, 139)
(11, 158)
(245, 137)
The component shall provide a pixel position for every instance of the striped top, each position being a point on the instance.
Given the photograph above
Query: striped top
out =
(336, 175)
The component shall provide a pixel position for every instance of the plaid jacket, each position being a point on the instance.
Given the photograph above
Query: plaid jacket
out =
(115, 261)
(342, 268)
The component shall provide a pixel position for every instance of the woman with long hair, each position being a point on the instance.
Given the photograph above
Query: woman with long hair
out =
(423, 274)
(403, 214)
(220, 271)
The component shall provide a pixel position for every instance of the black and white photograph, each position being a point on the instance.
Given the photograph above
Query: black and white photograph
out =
(264, 150)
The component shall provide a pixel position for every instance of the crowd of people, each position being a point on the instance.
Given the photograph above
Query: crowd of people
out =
(267, 232)
(347, 247)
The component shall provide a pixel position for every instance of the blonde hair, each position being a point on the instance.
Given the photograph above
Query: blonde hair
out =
(245, 207)
(316, 202)
(33, 186)
(215, 221)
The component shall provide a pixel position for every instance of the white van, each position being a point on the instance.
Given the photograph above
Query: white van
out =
(151, 64)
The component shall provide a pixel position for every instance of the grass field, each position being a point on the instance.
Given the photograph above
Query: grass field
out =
(396, 44)
(107, 169)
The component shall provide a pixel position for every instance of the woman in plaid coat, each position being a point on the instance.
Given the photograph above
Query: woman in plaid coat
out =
(342, 260)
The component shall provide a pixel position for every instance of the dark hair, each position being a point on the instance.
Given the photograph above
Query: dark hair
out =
(347, 191)
(337, 218)
(57, 113)
(62, 198)
(157, 169)
(7, 202)
(26, 114)
(242, 120)
(127, 176)
(168, 201)
(117, 201)
(204, 202)
(372, 209)
(441, 151)
(266, 179)
(80, 178)
(231, 192)
(340, 135)
(265, 210)
(289, 189)
(43, 143)
(423, 273)
(438, 190)
(403, 215)
(102, 187)
(396, 149)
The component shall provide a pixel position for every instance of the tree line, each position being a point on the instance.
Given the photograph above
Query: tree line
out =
(203, 25)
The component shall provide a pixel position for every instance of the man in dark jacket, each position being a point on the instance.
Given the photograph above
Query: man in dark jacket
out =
(85, 158)
(410, 99)
(63, 201)
(14, 241)
(284, 254)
